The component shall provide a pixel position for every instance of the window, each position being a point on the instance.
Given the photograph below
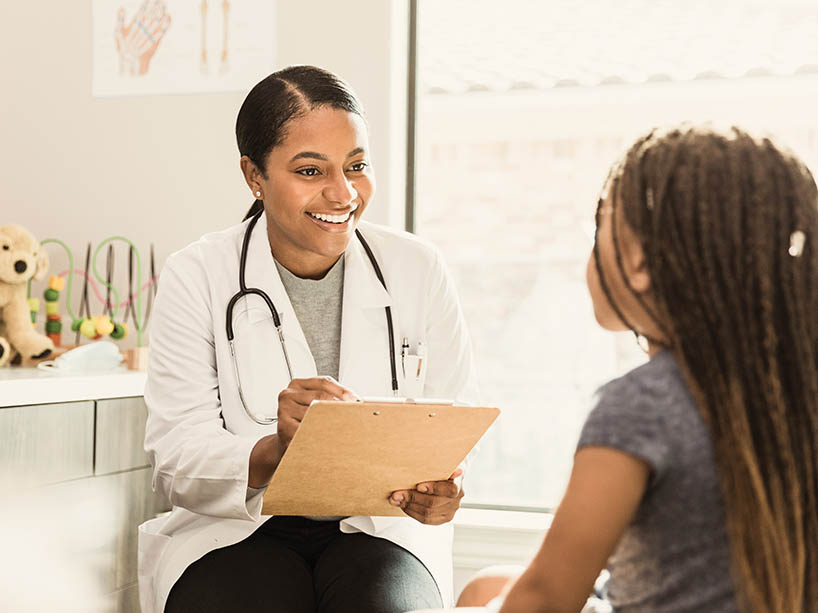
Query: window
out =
(521, 108)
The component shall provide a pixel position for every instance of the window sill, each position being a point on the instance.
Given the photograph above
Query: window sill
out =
(486, 537)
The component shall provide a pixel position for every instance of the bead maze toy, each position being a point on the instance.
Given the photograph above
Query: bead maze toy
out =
(107, 323)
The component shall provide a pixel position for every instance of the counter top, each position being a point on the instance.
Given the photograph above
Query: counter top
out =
(22, 386)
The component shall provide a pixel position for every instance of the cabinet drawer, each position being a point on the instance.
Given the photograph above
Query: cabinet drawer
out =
(120, 435)
(47, 443)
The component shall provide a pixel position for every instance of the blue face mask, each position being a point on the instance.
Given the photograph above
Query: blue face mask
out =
(99, 356)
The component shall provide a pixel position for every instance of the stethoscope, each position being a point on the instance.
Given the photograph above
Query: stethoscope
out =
(246, 291)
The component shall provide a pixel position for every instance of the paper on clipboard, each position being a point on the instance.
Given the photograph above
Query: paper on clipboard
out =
(346, 458)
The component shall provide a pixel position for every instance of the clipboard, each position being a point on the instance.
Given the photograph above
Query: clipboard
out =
(346, 458)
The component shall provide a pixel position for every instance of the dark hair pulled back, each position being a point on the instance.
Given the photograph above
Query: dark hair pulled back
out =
(278, 99)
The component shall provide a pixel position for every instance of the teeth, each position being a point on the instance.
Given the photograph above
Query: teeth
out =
(332, 218)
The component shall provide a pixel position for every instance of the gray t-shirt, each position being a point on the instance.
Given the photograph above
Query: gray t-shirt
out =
(317, 304)
(675, 554)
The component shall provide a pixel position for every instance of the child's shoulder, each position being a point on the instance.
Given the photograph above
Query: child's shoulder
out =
(656, 383)
(642, 412)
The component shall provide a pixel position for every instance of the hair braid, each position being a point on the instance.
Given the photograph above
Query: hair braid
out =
(603, 282)
(626, 181)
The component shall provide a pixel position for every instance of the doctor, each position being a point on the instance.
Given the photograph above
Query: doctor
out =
(221, 414)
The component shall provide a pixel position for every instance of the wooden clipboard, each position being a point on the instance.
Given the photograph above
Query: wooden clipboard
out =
(346, 458)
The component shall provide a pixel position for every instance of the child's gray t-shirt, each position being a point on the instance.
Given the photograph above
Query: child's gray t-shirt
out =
(675, 554)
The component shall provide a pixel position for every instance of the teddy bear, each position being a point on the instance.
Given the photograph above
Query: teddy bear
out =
(21, 259)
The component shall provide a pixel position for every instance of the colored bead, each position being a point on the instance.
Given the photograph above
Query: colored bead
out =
(33, 304)
(88, 328)
(125, 329)
(56, 283)
(33, 317)
(53, 327)
(51, 295)
(118, 333)
(55, 317)
(52, 308)
(55, 338)
(104, 325)
(75, 325)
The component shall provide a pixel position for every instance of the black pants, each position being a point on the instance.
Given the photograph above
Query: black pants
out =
(294, 565)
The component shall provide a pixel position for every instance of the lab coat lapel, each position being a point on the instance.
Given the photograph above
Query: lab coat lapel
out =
(364, 362)
(261, 273)
(364, 365)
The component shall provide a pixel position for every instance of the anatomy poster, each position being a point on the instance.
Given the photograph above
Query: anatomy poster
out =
(179, 46)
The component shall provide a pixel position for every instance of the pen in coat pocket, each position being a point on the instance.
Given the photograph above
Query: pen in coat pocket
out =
(404, 349)
(421, 356)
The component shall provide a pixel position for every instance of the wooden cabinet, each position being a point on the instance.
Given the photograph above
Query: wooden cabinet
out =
(120, 431)
(48, 443)
(89, 456)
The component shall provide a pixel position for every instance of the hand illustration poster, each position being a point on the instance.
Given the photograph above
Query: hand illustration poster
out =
(143, 47)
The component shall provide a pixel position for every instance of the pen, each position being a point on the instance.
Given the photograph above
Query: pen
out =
(404, 349)
(421, 355)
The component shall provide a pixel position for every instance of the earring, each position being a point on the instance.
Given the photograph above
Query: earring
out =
(797, 240)
(258, 194)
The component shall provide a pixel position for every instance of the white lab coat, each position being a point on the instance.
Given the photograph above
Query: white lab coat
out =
(198, 435)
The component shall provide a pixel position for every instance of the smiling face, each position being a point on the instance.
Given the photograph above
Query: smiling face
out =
(315, 188)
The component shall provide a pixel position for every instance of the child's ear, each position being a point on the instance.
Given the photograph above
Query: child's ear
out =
(638, 275)
(42, 265)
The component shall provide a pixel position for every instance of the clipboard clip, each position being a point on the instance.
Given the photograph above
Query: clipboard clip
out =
(420, 401)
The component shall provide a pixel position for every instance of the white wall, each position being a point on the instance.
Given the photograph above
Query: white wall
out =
(164, 169)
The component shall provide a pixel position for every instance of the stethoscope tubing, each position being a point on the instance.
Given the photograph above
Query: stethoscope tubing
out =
(390, 328)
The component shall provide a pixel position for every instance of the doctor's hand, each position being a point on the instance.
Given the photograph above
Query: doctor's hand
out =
(295, 399)
(432, 502)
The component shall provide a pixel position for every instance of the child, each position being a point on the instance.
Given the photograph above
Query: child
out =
(696, 476)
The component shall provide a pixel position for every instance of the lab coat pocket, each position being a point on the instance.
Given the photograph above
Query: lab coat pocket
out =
(413, 370)
(150, 547)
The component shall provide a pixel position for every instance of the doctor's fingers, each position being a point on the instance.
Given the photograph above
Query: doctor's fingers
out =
(302, 398)
(432, 510)
(327, 385)
(414, 499)
(430, 518)
(287, 427)
(447, 489)
(291, 410)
